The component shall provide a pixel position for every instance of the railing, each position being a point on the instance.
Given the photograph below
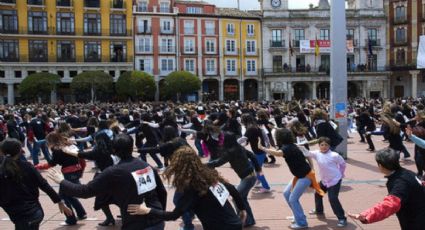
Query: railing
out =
(8, 1)
(374, 42)
(192, 51)
(35, 2)
(209, 31)
(10, 59)
(164, 9)
(118, 58)
(399, 20)
(9, 30)
(295, 43)
(231, 52)
(164, 31)
(398, 42)
(38, 31)
(252, 52)
(92, 3)
(118, 4)
(140, 8)
(143, 30)
(144, 49)
(277, 44)
(323, 69)
(33, 58)
(65, 3)
(65, 59)
(209, 52)
(167, 49)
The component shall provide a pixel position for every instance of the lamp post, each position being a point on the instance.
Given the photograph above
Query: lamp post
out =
(338, 74)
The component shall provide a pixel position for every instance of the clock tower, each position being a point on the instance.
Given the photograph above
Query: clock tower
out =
(274, 4)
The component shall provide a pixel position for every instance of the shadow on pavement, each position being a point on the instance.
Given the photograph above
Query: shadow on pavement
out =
(363, 165)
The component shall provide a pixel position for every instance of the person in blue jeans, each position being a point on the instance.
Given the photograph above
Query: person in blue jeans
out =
(299, 168)
(40, 144)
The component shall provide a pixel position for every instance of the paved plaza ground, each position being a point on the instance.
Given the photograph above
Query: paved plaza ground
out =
(362, 187)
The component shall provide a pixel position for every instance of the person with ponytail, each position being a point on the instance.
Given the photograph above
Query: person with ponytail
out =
(19, 184)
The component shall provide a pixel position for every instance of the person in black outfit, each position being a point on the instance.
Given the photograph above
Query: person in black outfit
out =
(132, 181)
(204, 191)
(325, 129)
(406, 195)
(19, 188)
(232, 124)
(101, 155)
(245, 164)
(37, 127)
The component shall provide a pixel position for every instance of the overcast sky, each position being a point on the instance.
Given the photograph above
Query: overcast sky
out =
(254, 4)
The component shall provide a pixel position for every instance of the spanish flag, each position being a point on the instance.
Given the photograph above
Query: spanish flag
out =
(316, 48)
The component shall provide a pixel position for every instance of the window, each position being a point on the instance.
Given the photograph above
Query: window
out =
(231, 66)
(230, 29)
(211, 69)
(189, 27)
(118, 24)
(277, 64)
(8, 21)
(144, 45)
(9, 50)
(400, 57)
(230, 46)
(299, 35)
(92, 51)
(92, 24)
(276, 38)
(166, 27)
(400, 36)
(373, 36)
(38, 50)
(324, 34)
(210, 46)
(118, 52)
(325, 63)
(143, 26)
(164, 7)
(142, 6)
(250, 30)
(251, 66)
(189, 65)
(92, 3)
(145, 65)
(350, 34)
(209, 28)
(37, 22)
(167, 45)
(65, 51)
(250, 47)
(400, 13)
(65, 23)
(167, 65)
(35, 2)
(194, 10)
(189, 45)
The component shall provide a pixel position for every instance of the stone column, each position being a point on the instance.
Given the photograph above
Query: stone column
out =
(221, 90)
(314, 96)
(414, 74)
(364, 88)
(53, 96)
(10, 93)
(241, 90)
(267, 90)
(290, 90)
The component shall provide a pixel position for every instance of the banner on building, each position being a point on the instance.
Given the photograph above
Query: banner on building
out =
(421, 53)
(309, 46)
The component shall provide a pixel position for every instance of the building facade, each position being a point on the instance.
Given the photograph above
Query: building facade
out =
(219, 45)
(406, 22)
(295, 69)
(64, 37)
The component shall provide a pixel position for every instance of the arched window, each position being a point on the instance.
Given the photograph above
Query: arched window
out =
(400, 13)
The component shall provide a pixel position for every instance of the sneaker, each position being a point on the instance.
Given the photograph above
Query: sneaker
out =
(314, 212)
(82, 217)
(342, 223)
(263, 190)
(296, 226)
(67, 224)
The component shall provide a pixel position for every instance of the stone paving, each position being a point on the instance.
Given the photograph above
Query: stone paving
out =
(362, 187)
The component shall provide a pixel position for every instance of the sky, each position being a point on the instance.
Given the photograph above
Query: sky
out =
(254, 4)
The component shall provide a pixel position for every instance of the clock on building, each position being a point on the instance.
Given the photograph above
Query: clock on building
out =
(276, 3)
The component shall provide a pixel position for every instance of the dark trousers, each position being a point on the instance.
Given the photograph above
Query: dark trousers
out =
(370, 142)
(361, 133)
(419, 161)
(72, 202)
(333, 193)
(187, 215)
(153, 155)
(31, 222)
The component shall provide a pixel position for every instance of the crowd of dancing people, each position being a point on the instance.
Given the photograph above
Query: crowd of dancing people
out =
(118, 138)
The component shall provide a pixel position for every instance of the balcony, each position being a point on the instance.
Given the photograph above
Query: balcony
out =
(41, 31)
(10, 58)
(35, 2)
(65, 58)
(144, 49)
(166, 31)
(142, 8)
(7, 2)
(399, 42)
(38, 58)
(120, 32)
(118, 5)
(167, 49)
(119, 58)
(92, 3)
(252, 52)
(373, 42)
(144, 30)
(296, 43)
(64, 3)
(92, 58)
(210, 32)
(164, 9)
(400, 20)
(231, 52)
(231, 73)
(277, 43)
(8, 30)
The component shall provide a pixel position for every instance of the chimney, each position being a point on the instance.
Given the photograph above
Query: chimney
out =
(324, 4)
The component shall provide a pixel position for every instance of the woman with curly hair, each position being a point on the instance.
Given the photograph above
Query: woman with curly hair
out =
(204, 191)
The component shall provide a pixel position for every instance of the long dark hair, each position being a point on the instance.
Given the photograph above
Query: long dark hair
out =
(9, 168)
(103, 144)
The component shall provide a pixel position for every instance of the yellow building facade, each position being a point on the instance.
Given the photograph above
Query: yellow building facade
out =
(241, 46)
(65, 37)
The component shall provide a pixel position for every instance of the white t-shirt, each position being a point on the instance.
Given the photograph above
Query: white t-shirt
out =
(331, 166)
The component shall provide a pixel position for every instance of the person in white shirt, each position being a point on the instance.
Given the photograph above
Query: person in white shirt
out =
(331, 169)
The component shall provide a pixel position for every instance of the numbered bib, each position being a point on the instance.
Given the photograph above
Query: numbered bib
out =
(301, 140)
(220, 192)
(145, 180)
